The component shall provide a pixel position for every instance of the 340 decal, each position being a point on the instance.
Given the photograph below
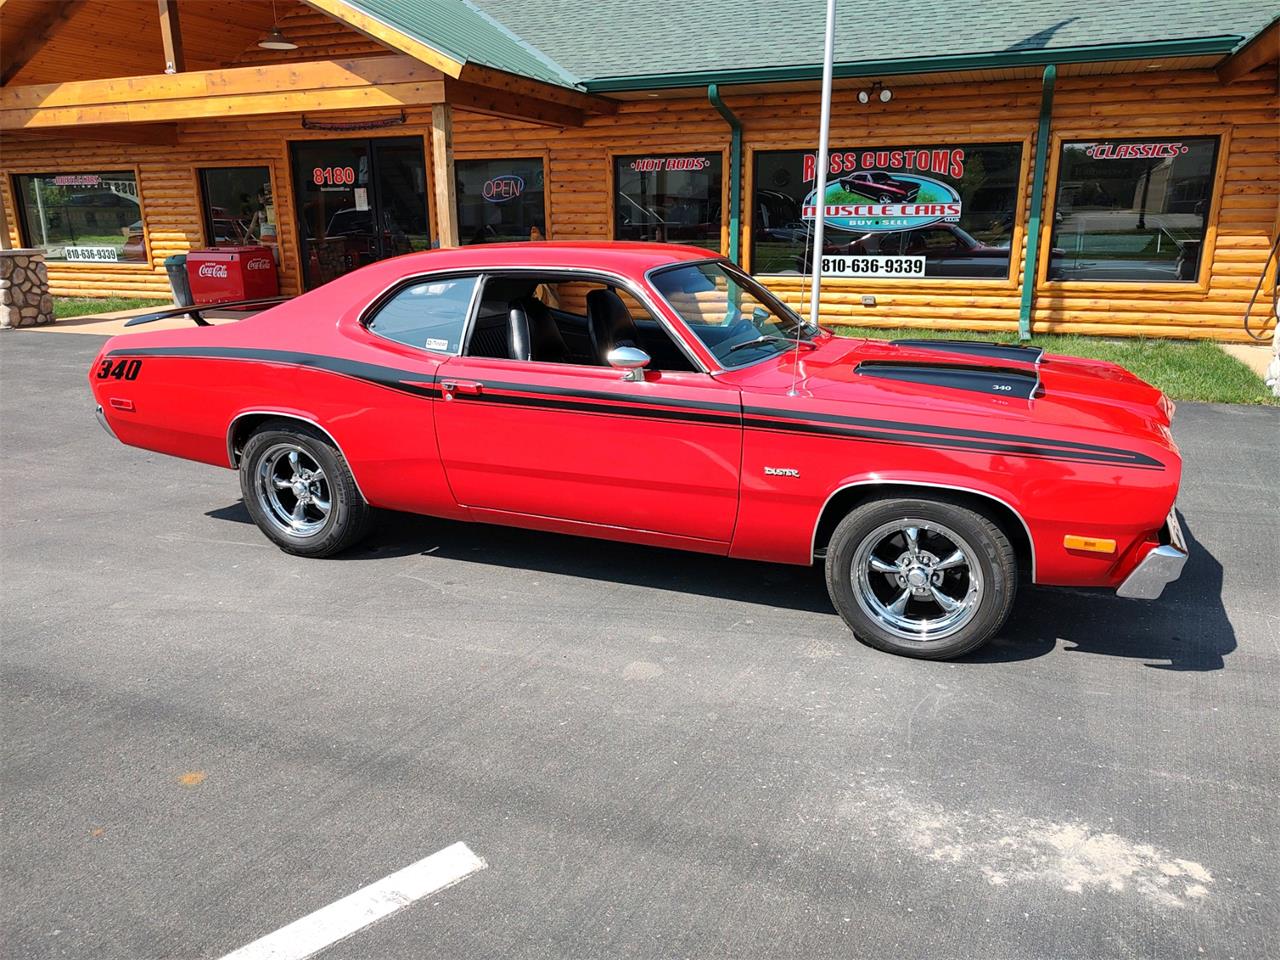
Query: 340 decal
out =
(120, 369)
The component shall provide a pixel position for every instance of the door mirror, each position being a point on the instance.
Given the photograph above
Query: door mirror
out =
(631, 359)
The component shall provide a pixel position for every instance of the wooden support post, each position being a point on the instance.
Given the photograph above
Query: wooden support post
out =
(4, 225)
(171, 34)
(442, 174)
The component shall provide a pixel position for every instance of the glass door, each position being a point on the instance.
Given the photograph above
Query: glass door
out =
(358, 201)
(400, 179)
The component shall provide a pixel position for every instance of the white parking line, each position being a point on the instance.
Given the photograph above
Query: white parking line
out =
(340, 919)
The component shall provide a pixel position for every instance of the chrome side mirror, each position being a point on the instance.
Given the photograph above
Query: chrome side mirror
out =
(631, 359)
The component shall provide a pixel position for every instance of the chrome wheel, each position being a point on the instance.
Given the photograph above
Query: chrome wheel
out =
(918, 579)
(293, 490)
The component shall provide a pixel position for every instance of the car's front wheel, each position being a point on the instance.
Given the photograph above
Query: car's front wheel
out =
(300, 492)
(921, 577)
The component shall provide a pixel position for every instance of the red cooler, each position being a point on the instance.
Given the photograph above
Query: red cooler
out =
(225, 274)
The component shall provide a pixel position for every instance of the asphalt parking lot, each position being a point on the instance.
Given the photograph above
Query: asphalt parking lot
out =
(656, 754)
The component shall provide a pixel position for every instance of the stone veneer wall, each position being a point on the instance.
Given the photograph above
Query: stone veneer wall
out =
(24, 289)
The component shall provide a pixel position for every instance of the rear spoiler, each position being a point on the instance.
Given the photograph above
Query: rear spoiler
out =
(197, 311)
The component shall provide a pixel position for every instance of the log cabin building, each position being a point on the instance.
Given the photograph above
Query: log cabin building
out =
(1108, 168)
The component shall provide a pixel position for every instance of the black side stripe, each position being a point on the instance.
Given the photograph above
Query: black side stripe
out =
(625, 410)
(636, 398)
(690, 411)
(1121, 458)
(406, 381)
(840, 420)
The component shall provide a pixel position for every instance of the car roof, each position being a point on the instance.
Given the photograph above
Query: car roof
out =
(618, 256)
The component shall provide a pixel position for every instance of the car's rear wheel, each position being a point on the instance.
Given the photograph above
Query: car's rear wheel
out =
(921, 577)
(300, 492)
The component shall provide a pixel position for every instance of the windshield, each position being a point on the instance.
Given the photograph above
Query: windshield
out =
(736, 318)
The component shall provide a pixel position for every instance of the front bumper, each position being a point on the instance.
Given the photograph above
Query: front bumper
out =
(1161, 566)
(102, 419)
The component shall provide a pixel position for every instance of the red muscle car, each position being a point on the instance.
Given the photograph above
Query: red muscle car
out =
(880, 187)
(657, 395)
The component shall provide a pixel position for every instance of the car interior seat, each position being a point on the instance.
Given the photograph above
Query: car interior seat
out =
(610, 324)
(532, 333)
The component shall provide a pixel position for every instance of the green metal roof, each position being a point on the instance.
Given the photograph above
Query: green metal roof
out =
(464, 32)
(602, 45)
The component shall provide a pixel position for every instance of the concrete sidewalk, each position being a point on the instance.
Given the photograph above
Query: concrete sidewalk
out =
(113, 323)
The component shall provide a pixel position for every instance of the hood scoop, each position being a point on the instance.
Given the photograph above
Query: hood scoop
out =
(978, 348)
(993, 381)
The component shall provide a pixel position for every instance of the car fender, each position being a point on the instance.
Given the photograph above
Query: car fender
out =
(990, 492)
(286, 414)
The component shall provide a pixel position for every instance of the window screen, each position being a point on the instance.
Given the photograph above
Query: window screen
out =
(237, 205)
(501, 200)
(82, 217)
(668, 198)
(1132, 210)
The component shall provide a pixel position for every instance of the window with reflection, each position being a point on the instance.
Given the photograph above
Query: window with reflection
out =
(501, 200)
(668, 198)
(1132, 210)
(92, 217)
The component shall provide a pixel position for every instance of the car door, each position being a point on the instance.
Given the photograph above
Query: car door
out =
(575, 442)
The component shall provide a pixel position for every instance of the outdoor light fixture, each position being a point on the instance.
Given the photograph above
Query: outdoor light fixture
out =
(275, 40)
(877, 91)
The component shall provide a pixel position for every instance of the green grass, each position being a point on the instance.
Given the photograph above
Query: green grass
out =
(1195, 370)
(64, 307)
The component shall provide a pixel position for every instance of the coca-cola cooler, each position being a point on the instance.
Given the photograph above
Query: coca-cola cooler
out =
(227, 274)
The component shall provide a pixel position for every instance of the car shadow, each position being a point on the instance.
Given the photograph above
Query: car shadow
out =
(1187, 629)
(405, 534)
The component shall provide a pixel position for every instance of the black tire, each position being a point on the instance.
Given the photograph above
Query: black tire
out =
(868, 535)
(318, 533)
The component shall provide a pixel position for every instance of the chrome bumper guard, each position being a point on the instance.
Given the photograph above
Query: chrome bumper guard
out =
(102, 419)
(1161, 566)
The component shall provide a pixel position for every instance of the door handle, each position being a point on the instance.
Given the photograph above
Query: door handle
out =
(460, 388)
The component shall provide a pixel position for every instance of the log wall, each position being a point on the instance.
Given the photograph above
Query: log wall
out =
(1245, 219)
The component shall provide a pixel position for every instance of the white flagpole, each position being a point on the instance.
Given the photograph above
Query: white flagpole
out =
(820, 172)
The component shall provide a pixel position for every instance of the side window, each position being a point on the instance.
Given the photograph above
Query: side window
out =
(429, 315)
(552, 317)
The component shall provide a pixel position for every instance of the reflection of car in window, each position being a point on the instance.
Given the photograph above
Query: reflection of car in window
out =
(100, 198)
(880, 187)
(948, 250)
(670, 217)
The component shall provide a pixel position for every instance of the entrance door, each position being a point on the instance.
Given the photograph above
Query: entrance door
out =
(358, 201)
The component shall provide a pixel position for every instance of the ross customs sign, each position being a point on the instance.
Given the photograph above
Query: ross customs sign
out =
(885, 191)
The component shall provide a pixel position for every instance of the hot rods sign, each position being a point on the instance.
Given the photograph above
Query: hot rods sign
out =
(884, 191)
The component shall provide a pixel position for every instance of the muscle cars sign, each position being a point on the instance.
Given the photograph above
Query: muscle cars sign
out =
(869, 191)
(923, 211)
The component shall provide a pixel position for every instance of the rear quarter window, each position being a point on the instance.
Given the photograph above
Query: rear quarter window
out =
(430, 315)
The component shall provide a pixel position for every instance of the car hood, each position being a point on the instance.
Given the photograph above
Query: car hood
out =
(976, 383)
